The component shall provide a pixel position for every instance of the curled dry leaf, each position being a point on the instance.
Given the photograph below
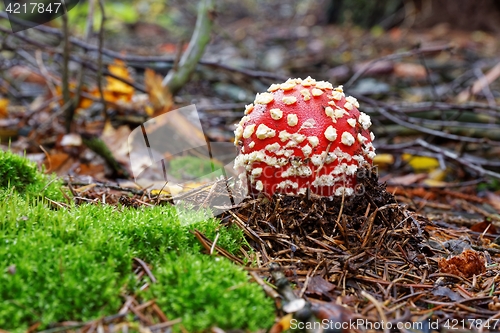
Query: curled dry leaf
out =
(466, 264)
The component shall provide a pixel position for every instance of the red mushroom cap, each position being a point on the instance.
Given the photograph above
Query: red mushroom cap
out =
(303, 134)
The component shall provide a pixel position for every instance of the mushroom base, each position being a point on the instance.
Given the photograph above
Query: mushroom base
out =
(350, 220)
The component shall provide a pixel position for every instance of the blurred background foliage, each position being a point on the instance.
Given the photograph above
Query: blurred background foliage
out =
(170, 15)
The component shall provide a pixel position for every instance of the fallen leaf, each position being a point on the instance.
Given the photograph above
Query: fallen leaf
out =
(332, 312)
(7, 134)
(376, 68)
(319, 286)
(84, 102)
(171, 48)
(159, 96)
(466, 265)
(421, 163)
(409, 179)
(27, 75)
(437, 175)
(383, 159)
(482, 226)
(395, 34)
(59, 163)
(283, 324)
(410, 70)
(160, 192)
(176, 189)
(494, 200)
(85, 188)
(97, 171)
(4, 103)
(434, 183)
(115, 89)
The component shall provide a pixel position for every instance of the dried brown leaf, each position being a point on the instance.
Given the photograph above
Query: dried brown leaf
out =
(466, 265)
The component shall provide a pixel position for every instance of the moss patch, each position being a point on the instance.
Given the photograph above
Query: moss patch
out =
(212, 292)
(186, 167)
(19, 173)
(76, 264)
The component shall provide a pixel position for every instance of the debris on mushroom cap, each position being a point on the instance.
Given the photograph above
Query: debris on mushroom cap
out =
(303, 134)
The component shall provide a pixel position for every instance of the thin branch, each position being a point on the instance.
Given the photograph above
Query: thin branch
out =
(177, 77)
(86, 36)
(65, 71)
(435, 95)
(485, 87)
(107, 185)
(99, 58)
(49, 80)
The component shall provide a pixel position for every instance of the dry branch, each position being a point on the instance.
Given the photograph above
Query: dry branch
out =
(179, 75)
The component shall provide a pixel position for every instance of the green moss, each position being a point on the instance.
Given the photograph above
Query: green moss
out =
(207, 292)
(16, 171)
(19, 173)
(186, 167)
(75, 264)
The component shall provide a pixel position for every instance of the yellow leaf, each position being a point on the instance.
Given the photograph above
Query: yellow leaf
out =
(285, 322)
(434, 183)
(115, 89)
(149, 110)
(4, 103)
(383, 159)
(191, 185)
(159, 96)
(160, 192)
(84, 102)
(437, 174)
(421, 163)
(177, 188)
(85, 188)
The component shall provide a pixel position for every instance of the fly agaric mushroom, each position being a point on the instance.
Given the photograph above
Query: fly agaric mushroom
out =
(303, 134)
